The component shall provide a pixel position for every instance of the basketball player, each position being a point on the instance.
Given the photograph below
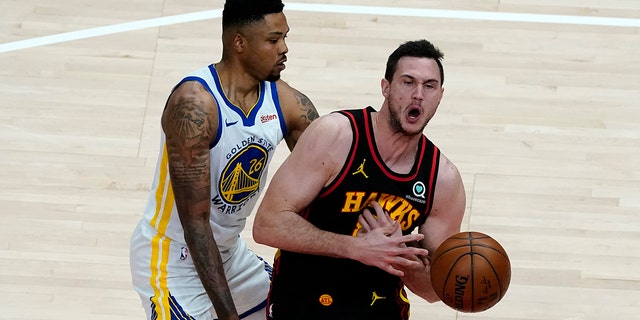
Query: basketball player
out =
(335, 261)
(221, 125)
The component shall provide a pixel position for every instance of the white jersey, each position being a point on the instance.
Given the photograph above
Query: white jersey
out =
(240, 156)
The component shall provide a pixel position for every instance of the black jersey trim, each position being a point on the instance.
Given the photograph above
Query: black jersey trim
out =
(433, 178)
(373, 150)
(350, 157)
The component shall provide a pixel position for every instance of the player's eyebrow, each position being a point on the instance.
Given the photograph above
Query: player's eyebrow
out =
(279, 33)
(431, 80)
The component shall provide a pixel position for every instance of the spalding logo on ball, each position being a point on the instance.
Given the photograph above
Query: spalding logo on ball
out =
(470, 272)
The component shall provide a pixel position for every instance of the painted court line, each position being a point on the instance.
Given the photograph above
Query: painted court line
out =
(465, 14)
(325, 8)
(106, 30)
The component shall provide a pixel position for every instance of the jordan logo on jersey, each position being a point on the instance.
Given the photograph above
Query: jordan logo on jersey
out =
(240, 179)
(361, 169)
(375, 298)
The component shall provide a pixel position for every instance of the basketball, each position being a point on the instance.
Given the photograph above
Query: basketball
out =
(470, 272)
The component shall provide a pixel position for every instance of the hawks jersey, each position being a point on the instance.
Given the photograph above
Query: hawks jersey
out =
(319, 287)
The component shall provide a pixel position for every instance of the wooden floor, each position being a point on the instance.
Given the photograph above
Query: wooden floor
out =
(542, 119)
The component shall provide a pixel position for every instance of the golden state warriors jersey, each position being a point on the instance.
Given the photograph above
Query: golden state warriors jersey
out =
(240, 156)
(317, 287)
(162, 269)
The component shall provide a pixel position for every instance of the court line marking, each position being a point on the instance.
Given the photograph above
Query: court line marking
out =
(111, 29)
(325, 8)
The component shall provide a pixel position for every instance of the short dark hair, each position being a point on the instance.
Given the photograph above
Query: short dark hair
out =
(240, 13)
(420, 49)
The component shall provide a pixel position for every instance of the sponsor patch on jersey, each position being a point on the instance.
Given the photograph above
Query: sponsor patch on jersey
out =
(268, 117)
(325, 300)
(240, 179)
(419, 189)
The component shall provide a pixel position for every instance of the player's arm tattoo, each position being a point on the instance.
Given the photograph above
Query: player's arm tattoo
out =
(189, 128)
(306, 113)
(206, 257)
(188, 131)
(309, 112)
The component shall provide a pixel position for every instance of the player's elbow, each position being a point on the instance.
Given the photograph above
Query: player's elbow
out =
(260, 232)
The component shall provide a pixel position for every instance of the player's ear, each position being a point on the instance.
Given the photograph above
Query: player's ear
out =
(384, 84)
(239, 42)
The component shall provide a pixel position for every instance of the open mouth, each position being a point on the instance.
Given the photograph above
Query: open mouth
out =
(414, 113)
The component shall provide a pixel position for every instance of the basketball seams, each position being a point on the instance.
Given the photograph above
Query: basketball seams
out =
(477, 260)
(492, 247)
(438, 254)
(473, 279)
(495, 273)
(470, 235)
(452, 267)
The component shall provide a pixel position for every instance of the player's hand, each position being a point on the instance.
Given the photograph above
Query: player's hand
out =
(382, 220)
(382, 244)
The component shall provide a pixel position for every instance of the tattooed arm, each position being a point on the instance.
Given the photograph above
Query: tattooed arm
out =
(298, 110)
(190, 125)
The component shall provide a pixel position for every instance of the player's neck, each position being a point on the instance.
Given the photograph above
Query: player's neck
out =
(238, 87)
(398, 150)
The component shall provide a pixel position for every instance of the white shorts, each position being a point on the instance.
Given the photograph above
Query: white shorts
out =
(166, 279)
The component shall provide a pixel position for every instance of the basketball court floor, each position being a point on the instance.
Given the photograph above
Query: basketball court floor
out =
(541, 113)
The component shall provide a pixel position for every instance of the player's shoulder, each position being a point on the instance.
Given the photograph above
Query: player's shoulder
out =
(191, 93)
(289, 96)
(333, 120)
(189, 88)
(328, 139)
(448, 173)
(190, 99)
(297, 108)
(332, 127)
(284, 88)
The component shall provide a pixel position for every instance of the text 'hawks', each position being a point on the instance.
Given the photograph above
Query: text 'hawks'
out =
(399, 208)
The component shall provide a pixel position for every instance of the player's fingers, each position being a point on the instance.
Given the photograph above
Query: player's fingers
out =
(395, 226)
(392, 270)
(425, 260)
(363, 222)
(407, 264)
(420, 252)
(369, 219)
(411, 237)
(391, 230)
(383, 216)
